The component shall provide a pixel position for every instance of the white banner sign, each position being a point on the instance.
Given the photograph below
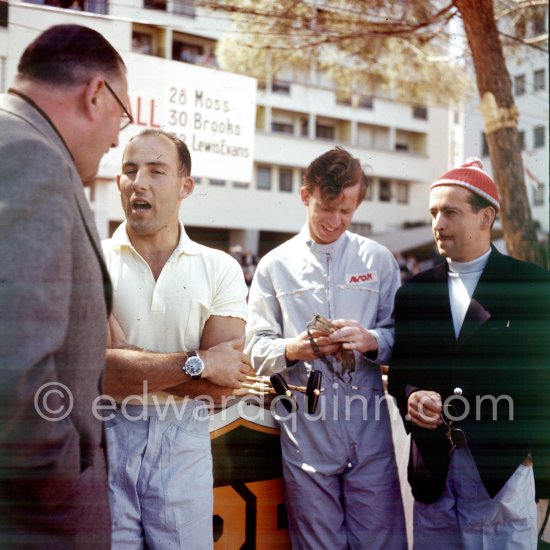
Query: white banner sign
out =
(211, 110)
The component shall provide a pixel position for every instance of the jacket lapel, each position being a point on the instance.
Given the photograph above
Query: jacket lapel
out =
(91, 231)
(475, 317)
(479, 311)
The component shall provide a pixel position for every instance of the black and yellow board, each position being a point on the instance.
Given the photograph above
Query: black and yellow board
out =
(249, 509)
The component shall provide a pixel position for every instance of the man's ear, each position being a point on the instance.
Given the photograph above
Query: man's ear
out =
(118, 182)
(93, 97)
(187, 187)
(304, 195)
(488, 215)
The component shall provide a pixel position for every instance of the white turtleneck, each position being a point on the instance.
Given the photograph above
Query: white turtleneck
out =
(463, 279)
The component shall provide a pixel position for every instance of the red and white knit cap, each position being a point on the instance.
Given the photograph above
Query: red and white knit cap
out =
(471, 176)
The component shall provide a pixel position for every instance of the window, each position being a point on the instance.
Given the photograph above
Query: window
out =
(402, 193)
(519, 84)
(282, 128)
(96, 6)
(370, 186)
(539, 22)
(240, 184)
(285, 179)
(304, 127)
(217, 182)
(484, 145)
(538, 195)
(142, 43)
(324, 131)
(420, 112)
(155, 4)
(366, 101)
(384, 190)
(538, 135)
(521, 139)
(280, 87)
(364, 229)
(401, 146)
(539, 80)
(342, 99)
(184, 7)
(365, 135)
(3, 14)
(263, 177)
(186, 52)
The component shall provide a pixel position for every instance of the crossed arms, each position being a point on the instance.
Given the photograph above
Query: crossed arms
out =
(221, 345)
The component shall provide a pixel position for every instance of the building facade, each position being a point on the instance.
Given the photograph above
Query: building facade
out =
(403, 147)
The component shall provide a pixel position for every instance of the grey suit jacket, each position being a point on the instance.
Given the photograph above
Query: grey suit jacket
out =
(53, 488)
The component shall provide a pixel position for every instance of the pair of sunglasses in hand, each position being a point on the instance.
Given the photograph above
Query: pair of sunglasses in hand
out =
(455, 435)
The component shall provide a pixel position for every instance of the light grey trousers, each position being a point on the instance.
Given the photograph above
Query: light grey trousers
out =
(466, 518)
(160, 478)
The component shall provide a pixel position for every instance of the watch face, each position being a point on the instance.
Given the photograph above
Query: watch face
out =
(194, 366)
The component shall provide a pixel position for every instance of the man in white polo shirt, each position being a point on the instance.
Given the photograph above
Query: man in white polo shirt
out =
(172, 297)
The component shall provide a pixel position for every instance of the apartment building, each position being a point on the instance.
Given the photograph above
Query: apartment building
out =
(286, 123)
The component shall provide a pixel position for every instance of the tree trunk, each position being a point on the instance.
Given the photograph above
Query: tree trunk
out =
(500, 118)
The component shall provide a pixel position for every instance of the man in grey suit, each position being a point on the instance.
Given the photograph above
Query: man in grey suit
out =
(63, 113)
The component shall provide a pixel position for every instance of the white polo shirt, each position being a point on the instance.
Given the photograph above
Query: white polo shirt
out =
(169, 314)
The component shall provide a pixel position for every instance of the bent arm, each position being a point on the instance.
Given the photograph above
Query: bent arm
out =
(132, 371)
(219, 330)
(136, 371)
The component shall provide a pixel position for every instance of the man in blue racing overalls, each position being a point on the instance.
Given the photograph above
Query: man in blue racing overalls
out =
(341, 483)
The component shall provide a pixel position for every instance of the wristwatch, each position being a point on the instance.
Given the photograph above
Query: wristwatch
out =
(193, 365)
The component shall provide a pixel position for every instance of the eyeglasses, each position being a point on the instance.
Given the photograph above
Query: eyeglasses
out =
(455, 435)
(316, 350)
(126, 118)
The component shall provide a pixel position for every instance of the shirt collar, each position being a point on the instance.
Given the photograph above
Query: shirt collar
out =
(469, 267)
(185, 245)
(322, 248)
